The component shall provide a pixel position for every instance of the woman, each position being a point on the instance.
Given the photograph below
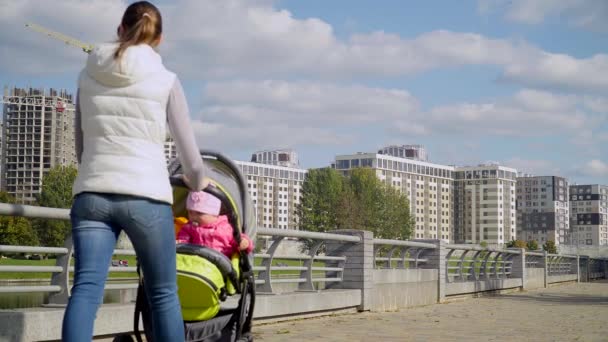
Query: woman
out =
(126, 98)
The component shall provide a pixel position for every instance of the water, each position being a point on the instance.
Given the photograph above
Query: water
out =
(37, 299)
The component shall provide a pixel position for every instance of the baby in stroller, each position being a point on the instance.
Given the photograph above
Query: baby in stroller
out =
(206, 227)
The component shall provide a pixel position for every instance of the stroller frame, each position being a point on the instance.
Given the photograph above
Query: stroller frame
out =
(235, 323)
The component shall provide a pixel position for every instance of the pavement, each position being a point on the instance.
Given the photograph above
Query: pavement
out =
(571, 312)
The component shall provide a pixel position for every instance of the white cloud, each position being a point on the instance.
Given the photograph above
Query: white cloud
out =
(537, 167)
(268, 113)
(29, 52)
(528, 113)
(318, 113)
(562, 71)
(596, 168)
(588, 14)
(254, 39)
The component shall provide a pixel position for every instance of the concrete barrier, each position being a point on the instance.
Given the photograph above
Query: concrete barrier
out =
(470, 287)
(397, 289)
(535, 278)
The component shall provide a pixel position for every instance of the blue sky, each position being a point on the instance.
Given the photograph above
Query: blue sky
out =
(517, 82)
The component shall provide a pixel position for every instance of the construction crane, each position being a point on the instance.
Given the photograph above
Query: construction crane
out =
(59, 36)
(58, 104)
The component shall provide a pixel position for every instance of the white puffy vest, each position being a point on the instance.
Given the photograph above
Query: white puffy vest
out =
(123, 119)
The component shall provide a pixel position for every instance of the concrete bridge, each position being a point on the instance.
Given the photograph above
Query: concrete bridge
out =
(350, 272)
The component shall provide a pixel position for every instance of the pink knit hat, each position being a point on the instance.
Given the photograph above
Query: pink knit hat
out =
(203, 202)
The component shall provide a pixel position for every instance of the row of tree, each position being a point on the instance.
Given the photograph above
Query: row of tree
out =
(532, 245)
(56, 192)
(360, 201)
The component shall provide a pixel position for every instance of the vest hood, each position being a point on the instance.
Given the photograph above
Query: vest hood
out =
(136, 63)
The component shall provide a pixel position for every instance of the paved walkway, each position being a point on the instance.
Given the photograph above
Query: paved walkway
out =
(573, 312)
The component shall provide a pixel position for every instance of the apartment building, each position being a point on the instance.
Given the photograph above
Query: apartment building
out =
(283, 157)
(589, 214)
(414, 152)
(543, 209)
(484, 204)
(38, 135)
(276, 191)
(428, 188)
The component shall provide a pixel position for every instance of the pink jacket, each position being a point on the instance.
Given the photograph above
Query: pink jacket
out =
(217, 235)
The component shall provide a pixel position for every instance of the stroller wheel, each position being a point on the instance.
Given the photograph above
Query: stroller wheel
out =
(246, 338)
(123, 338)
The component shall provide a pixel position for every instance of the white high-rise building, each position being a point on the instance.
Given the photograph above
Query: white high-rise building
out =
(484, 204)
(543, 209)
(276, 191)
(428, 188)
(38, 134)
(589, 214)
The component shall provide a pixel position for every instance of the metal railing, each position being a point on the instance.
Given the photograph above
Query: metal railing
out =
(401, 254)
(561, 264)
(535, 260)
(311, 268)
(596, 268)
(472, 263)
(60, 281)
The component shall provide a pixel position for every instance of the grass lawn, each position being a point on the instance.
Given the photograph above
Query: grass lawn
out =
(51, 262)
(132, 262)
(291, 262)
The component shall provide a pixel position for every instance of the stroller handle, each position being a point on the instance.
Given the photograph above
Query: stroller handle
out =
(240, 180)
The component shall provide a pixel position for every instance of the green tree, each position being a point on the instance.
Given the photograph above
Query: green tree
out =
(369, 204)
(348, 212)
(56, 193)
(550, 247)
(16, 230)
(484, 244)
(360, 201)
(398, 221)
(321, 195)
(532, 245)
(366, 191)
(517, 244)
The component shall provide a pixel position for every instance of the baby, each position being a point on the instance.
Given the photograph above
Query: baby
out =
(206, 227)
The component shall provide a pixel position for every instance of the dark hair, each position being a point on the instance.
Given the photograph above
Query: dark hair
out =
(141, 23)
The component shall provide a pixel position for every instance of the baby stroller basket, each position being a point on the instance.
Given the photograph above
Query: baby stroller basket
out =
(230, 323)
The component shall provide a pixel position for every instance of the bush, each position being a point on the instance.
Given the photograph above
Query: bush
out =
(532, 245)
(517, 244)
(550, 247)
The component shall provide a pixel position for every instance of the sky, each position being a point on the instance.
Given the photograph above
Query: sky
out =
(518, 82)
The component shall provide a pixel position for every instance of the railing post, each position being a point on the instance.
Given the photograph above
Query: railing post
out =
(437, 259)
(578, 269)
(518, 267)
(546, 266)
(584, 268)
(62, 278)
(359, 264)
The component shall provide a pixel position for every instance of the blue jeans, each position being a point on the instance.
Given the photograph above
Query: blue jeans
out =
(97, 219)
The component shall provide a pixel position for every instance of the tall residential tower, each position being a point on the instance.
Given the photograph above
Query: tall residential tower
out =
(543, 209)
(484, 204)
(38, 134)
